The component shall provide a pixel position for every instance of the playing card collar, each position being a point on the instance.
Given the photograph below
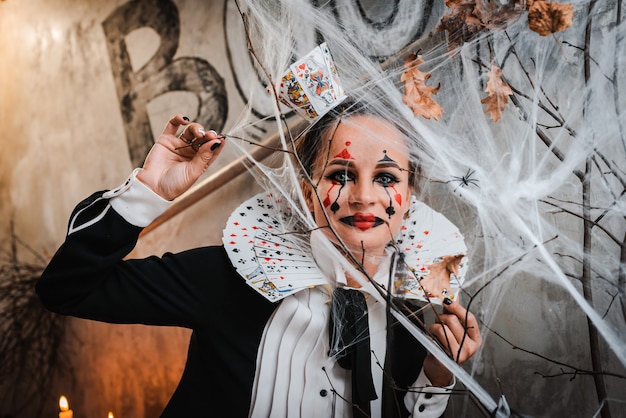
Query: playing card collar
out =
(277, 263)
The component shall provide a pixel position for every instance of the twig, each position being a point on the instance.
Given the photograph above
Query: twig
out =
(30, 336)
(594, 339)
(550, 360)
(585, 218)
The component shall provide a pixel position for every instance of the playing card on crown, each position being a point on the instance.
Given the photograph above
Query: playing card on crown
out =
(311, 85)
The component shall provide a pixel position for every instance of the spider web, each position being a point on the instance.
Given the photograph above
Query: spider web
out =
(539, 195)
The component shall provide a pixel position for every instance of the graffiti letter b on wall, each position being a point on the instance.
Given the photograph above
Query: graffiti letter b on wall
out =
(160, 75)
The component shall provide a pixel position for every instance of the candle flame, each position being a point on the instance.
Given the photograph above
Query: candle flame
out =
(63, 403)
(110, 415)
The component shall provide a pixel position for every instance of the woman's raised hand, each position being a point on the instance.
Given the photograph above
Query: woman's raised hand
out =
(458, 334)
(175, 162)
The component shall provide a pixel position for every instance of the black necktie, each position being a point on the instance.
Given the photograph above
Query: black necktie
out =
(350, 344)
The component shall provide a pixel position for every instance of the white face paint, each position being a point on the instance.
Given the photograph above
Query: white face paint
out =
(363, 184)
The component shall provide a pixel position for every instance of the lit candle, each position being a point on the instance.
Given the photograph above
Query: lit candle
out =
(110, 415)
(66, 412)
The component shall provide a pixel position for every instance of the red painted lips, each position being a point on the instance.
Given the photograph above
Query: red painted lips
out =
(363, 221)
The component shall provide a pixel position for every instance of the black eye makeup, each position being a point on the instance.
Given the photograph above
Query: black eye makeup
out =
(386, 179)
(383, 178)
(340, 176)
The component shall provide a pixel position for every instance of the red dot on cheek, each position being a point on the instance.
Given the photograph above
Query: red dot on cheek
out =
(398, 198)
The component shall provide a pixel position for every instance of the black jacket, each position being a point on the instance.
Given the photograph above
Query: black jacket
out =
(197, 289)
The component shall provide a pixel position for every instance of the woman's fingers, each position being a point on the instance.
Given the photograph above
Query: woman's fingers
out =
(174, 123)
(178, 159)
(194, 138)
(446, 338)
(211, 140)
(465, 318)
(206, 149)
(457, 331)
(192, 133)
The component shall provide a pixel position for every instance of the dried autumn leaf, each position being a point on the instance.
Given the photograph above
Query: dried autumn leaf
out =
(498, 15)
(546, 18)
(498, 93)
(460, 24)
(417, 95)
(468, 18)
(437, 282)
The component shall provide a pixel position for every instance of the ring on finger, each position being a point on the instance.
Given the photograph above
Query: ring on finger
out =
(187, 141)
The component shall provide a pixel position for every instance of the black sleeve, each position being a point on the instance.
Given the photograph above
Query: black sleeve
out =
(199, 289)
(88, 277)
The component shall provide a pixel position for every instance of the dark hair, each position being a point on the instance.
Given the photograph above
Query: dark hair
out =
(314, 141)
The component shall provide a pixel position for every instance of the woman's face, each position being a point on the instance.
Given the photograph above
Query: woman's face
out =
(363, 184)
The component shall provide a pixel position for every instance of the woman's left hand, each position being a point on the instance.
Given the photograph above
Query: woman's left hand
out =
(458, 334)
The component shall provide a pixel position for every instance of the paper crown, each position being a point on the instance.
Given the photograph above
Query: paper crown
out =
(311, 85)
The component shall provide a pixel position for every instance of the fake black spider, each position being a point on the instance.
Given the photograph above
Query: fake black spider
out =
(466, 180)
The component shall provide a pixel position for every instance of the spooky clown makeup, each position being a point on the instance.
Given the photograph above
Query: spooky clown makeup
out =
(362, 180)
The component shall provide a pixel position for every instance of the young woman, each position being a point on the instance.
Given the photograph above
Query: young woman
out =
(247, 355)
